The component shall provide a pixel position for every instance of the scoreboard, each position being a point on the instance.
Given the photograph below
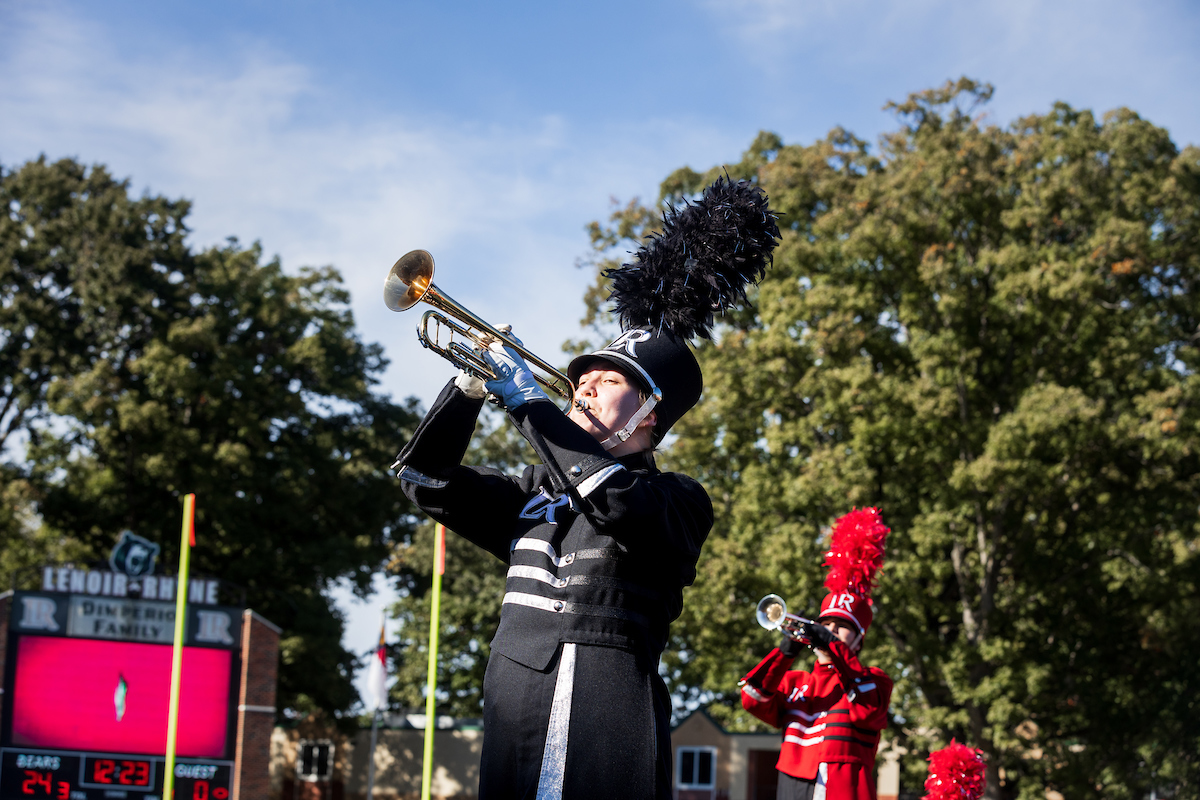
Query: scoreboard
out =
(87, 691)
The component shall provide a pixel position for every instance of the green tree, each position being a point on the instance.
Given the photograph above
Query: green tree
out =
(990, 333)
(140, 371)
(77, 278)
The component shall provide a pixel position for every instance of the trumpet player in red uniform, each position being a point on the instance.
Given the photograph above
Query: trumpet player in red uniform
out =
(832, 715)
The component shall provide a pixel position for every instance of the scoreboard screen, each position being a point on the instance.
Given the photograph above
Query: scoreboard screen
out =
(92, 694)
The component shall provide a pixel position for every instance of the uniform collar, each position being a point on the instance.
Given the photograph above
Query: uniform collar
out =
(639, 462)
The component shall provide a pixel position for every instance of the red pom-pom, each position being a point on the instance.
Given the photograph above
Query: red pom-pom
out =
(955, 773)
(856, 552)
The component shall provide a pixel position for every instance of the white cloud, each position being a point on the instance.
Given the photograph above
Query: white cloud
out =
(267, 153)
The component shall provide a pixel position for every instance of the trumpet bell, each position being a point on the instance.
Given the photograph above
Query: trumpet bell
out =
(408, 280)
(771, 612)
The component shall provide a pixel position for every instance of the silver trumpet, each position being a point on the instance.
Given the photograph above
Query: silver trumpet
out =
(410, 281)
(772, 614)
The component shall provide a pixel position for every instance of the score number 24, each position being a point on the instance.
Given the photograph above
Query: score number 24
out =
(45, 780)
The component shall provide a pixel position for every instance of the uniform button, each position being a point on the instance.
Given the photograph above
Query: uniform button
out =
(568, 558)
(576, 470)
(562, 582)
(558, 606)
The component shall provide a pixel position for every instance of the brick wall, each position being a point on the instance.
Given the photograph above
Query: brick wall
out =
(256, 707)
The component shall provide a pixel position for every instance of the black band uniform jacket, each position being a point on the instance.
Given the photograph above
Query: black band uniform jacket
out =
(599, 550)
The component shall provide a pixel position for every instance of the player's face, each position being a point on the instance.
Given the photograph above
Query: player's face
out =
(611, 398)
(844, 631)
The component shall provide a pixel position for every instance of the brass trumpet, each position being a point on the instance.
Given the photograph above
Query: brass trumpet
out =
(410, 281)
(772, 614)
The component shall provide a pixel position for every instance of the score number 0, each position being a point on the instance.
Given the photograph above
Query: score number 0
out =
(200, 792)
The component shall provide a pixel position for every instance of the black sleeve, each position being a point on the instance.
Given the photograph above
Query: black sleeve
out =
(441, 439)
(571, 455)
(477, 503)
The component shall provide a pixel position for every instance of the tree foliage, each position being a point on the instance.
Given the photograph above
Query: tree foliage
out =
(989, 333)
(135, 370)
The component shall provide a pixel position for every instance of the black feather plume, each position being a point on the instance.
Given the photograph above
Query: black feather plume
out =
(701, 262)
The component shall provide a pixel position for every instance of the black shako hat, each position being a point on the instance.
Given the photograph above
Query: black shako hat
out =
(698, 266)
(662, 363)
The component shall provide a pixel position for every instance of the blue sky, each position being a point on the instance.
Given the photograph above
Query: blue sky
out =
(490, 134)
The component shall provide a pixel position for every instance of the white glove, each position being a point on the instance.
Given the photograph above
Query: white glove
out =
(515, 385)
(469, 385)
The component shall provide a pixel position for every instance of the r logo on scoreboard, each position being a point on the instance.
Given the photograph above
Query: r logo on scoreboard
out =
(38, 614)
(213, 627)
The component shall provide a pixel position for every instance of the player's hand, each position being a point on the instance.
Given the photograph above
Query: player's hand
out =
(488, 340)
(514, 384)
(819, 635)
(790, 647)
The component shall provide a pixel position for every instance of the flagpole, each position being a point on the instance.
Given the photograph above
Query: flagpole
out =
(374, 722)
(439, 567)
(187, 540)
(371, 754)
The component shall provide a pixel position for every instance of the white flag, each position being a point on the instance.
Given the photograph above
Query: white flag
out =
(377, 695)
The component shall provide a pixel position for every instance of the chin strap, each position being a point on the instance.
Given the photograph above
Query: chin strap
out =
(631, 426)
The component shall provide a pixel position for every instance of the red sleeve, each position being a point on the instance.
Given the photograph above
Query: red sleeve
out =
(870, 705)
(761, 688)
(869, 688)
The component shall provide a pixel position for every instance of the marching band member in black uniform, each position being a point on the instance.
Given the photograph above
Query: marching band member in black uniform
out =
(600, 545)
(599, 542)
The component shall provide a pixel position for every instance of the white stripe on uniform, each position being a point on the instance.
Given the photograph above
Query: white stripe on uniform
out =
(554, 757)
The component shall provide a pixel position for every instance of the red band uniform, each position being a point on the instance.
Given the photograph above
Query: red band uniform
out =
(832, 716)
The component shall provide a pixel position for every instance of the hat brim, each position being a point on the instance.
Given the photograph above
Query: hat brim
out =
(581, 364)
(843, 615)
